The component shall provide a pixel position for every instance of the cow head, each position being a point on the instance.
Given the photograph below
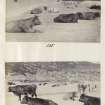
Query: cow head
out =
(79, 15)
(24, 100)
(52, 102)
(35, 21)
(11, 89)
(82, 98)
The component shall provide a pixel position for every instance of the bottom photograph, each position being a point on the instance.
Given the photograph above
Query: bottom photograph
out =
(53, 83)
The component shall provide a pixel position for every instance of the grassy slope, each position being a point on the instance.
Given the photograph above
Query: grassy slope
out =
(60, 71)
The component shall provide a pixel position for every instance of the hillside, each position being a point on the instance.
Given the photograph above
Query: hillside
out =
(54, 71)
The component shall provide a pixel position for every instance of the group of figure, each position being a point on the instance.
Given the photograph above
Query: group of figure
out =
(86, 88)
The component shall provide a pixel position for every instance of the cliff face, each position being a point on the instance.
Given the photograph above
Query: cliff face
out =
(54, 71)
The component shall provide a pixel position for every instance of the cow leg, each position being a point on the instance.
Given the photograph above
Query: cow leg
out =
(19, 97)
(35, 94)
(26, 94)
(73, 98)
(32, 95)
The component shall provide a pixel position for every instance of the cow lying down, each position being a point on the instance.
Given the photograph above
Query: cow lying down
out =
(37, 101)
(23, 25)
(66, 18)
(74, 17)
(89, 100)
(23, 90)
(88, 15)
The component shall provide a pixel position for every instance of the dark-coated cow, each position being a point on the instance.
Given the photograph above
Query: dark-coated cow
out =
(23, 25)
(89, 100)
(87, 15)
(66, 18)
(37, 101)
(97, 14)
(71, 95)
(15, 0)
(56, 85)
(45, 84)
(45, 8)
(23, 90)
(97, 7)
(11, 83)
(36, 11)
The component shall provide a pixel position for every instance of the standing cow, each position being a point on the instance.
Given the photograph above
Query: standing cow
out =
(89, 100)
(82, 88)
(71, 95)
(23, 90)
(37, 101)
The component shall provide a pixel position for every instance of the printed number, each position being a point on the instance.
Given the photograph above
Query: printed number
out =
(50, 45)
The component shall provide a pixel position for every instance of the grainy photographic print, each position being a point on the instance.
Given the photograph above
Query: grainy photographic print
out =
(53, 20)
(52, 83)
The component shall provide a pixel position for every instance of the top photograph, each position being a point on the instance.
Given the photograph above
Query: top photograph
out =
(53, 21)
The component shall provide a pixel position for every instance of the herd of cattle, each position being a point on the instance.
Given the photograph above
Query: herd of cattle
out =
(74, 17)
(28, 25)
(30, 96)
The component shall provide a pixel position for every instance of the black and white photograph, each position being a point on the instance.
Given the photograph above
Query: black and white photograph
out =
(53, 83)
(53, 20)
